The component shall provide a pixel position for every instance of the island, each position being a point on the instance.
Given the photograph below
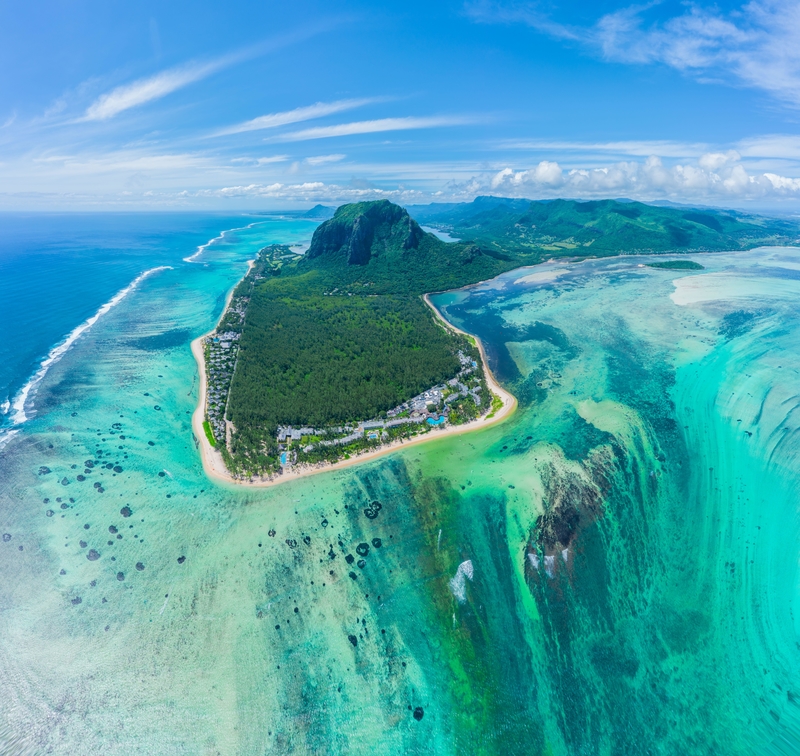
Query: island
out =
(337, 353)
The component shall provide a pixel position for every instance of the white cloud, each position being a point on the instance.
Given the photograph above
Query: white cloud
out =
(152, 88)
(755, 45)
(315, 191)
(261, 161)
(713, 161)
(146, 176)
(306, 113)
(372, 127)
(322, 159)
(782, 146)
(633, 147)
(718, 176)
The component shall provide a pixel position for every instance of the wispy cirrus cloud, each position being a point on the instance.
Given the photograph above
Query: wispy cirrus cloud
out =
(297, 115)
(755, 45)
(633, 147)
(166, 82)
(324, 159)
(260, 161)
(373, 127)
(154, 87)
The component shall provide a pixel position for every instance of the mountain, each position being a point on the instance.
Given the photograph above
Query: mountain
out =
(552, 228)
(318, 211)
(362, 230)
(379, 244)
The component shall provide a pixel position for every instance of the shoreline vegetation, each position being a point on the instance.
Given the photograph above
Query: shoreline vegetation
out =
(336, 355)
(215, 467)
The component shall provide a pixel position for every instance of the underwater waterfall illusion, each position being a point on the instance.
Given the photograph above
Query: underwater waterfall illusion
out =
(612, 570)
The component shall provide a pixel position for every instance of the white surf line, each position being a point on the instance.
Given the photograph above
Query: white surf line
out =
(203, 247)
(56, 353)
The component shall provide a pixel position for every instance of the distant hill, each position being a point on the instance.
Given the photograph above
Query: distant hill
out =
(431, 212)
(319, 211)
(559, 227)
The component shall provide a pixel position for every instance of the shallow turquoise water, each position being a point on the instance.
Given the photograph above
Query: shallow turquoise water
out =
(663, 413)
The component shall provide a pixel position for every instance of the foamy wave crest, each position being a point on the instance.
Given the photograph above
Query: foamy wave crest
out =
(458, 584)
(25, 395)
(203, 247)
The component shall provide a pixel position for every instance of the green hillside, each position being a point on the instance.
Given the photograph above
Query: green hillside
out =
(342, 334)
(600, 228)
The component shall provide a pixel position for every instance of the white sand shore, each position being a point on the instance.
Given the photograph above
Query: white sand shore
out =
(215, 467)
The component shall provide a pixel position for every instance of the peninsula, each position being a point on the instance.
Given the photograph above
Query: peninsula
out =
(337, 353)
(333, 354)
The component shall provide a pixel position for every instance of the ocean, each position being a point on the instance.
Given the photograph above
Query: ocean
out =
(612, 570)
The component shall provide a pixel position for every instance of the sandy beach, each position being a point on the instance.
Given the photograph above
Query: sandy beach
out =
(215, 467)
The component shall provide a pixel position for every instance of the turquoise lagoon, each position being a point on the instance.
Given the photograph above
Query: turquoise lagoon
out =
(657, 435)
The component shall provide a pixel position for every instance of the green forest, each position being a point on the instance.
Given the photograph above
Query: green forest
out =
(343, 335)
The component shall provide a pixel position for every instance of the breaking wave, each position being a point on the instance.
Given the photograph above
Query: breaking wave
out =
(22, 401)
(203, 247)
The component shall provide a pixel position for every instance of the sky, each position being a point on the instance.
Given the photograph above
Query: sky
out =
(124, 105)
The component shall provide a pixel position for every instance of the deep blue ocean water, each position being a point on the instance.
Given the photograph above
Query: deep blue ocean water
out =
(58, 270)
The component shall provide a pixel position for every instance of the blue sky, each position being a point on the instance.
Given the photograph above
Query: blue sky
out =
(244, 105)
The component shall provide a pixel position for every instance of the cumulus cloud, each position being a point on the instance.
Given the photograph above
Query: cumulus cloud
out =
(755, 45)
(721, 176)
(714, 177)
